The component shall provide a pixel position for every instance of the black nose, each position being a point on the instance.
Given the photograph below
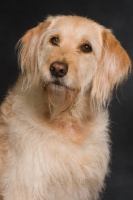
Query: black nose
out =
(58, 69)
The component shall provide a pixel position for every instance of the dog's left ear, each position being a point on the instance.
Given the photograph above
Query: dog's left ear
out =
(29, 48)
(114, 66)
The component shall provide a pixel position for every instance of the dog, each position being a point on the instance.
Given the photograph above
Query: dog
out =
(54, 124)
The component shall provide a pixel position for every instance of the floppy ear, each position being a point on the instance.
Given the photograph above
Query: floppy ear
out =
(29, 47)
(113, 68)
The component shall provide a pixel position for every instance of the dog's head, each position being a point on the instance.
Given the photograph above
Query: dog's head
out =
(75, 54)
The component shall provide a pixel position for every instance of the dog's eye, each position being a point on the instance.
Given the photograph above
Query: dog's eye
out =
(86, 48)
(54, 41)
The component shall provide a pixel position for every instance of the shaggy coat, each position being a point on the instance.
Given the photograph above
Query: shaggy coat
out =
(54, 142)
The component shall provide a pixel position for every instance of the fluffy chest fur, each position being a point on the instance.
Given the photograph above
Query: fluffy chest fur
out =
(54, 157)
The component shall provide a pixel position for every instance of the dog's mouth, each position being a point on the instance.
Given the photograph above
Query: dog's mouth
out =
(58, 83)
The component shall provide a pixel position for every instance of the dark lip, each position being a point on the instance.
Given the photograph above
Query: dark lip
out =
(57, 82)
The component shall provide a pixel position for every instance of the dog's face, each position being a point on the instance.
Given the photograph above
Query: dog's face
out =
(71, 53)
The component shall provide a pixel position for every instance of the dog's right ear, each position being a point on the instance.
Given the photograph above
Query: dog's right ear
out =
(29, 47)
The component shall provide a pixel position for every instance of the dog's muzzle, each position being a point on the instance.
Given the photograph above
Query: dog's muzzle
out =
(58, 69)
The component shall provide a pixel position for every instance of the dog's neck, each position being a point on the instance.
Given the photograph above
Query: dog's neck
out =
(71, 116)
(68, 112)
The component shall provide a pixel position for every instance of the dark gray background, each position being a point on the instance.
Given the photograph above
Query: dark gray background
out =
(17, 16)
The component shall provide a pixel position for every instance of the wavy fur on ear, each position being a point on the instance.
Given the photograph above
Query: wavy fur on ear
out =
(113, 69)
(29, 49)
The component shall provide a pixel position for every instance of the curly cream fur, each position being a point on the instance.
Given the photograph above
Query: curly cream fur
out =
(54, 137)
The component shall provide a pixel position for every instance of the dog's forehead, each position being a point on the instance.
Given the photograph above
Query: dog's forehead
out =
(77, 30)
(77, 26)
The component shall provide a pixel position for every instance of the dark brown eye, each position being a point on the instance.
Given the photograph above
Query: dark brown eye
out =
(86, 48)
(54, 41)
